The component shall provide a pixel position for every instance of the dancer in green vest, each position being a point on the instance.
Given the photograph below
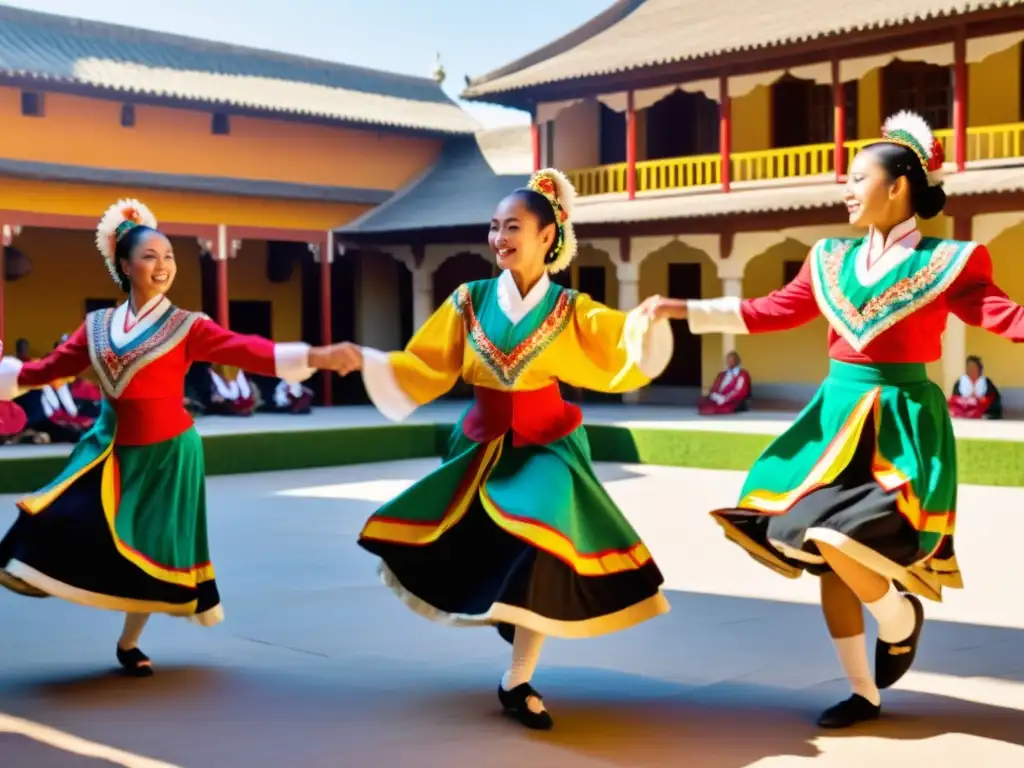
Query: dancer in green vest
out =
(514, 528)
(862, 488)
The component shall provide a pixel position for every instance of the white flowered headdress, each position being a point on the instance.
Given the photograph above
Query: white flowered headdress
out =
(560, 192)
(120, 219)
(909, 129)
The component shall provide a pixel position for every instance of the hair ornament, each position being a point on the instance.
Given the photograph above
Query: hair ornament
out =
(120, 219)
(559, 191)
(909, 129)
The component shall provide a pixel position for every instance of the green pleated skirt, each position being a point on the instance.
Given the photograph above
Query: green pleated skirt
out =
(521, 535)
(122, 528)
(868, 467)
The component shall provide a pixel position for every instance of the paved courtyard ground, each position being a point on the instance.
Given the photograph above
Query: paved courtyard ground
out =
(318, 666)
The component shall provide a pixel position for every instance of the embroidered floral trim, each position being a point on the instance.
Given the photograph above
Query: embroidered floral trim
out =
(116, 370)
(859, 327)
(507, 368)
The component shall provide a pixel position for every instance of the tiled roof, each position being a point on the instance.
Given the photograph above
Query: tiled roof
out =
(646, 33)
(213, 185)
(111, 57)
(462, 188)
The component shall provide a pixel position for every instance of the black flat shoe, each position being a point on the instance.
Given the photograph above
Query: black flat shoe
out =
(135, 662)
(507, 632)
(893, 660)
(855, 709)
(515, 705)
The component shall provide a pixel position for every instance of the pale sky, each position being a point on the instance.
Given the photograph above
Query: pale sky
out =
(472, 36)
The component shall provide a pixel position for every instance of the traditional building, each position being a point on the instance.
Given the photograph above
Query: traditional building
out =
(709, 141)
(249, 158)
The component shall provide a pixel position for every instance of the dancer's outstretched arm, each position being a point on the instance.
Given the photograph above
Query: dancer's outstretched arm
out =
(789, 307)
(69, 359)
(613, 351)
(977, 300)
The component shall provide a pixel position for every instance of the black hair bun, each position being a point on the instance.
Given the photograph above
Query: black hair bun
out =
(928, 201)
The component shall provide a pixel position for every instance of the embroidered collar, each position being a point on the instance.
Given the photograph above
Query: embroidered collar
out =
(514, 305)
(878, 255)
(127, 326)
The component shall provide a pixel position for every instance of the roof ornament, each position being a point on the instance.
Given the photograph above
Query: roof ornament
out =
(439, 74)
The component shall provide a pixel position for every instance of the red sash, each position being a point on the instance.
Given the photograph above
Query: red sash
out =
(538, 417)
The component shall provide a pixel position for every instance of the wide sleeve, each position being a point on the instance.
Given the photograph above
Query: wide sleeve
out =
(615, 351)
(212, 343)
(791, 306)
(400, 382)
(65, 362)
(978, 301)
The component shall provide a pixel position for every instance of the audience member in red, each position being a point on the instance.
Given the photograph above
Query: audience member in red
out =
(974, 396)
(231, 394)
(730, 392)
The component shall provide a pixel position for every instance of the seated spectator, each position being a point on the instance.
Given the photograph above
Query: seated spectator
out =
(62, 421)
(974, 396)
(12, 425)
(731, 391)
(230, 394)
(290, 398)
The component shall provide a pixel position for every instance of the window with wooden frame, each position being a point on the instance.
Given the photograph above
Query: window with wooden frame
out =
(32, 104)
(682, 125)
(803, 112)
(923, 88)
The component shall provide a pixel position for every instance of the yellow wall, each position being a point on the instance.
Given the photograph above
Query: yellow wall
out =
(797, 356)
(869, 105)
(1002, 359)
(77, 130)
(654, 279)
(181, 207)
(247, 281)
(752, 121)
(993, 89)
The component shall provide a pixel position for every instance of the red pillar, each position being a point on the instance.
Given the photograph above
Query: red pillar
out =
(839, 120)
(326, 314)
(535, 139)
(960, 98)
(725, 133)
(6, 238)
(631, 146)
(963, 227)
(223, 252)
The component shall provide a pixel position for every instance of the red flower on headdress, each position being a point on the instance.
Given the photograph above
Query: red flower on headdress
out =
(546, 185)
(563, 215)
(131, 214)
(938, 156)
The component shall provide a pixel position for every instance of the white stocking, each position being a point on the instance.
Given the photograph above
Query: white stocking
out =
(525, 653)
(134, 623)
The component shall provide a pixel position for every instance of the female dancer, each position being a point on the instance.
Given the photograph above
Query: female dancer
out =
(123, 527)
(514, 528)
(861, 489)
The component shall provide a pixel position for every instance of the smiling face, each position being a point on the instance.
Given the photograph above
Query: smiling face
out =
(151, 267)
(873, 199)
(518, 238)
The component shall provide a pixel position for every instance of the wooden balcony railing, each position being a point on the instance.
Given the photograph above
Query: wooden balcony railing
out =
(990, 143)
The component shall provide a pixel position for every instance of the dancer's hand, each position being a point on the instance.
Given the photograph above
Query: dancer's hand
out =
(659, 307)
(344, 358)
